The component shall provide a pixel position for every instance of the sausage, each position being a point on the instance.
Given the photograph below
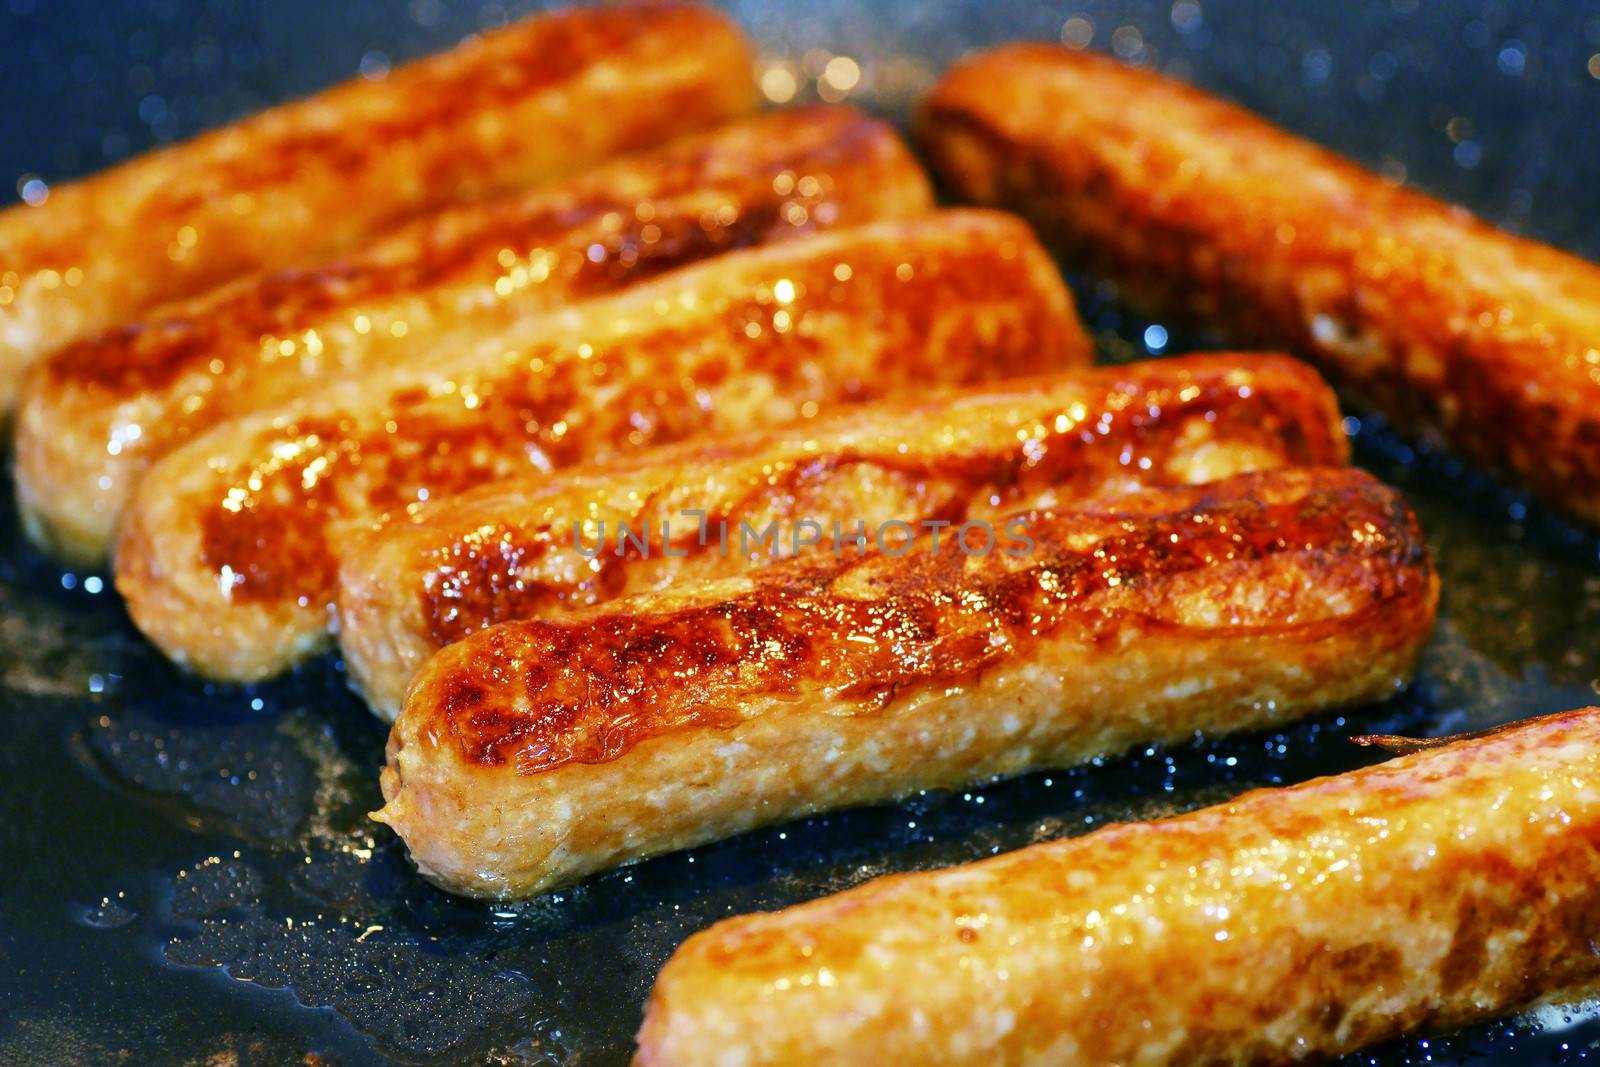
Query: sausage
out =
(534, 753)
(510, 550)
(1432, 891)
(94, 416)
(223, 554)
(535, 100)
(1199, 210)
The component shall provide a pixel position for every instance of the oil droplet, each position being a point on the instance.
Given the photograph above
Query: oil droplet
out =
(110, 913)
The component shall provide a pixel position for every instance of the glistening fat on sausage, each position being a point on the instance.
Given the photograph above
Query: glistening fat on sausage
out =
(1198, 209)
(96, 414)
(1288, 925)
(223, 556)
(534, 753)
(543, 546)
(542, 98)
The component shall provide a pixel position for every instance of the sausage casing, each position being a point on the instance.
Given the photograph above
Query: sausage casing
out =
(534, 753)
(1200, 210)
(510, 550)
(535, 100)
(93, 416)
(1431, 891)
(223, 554)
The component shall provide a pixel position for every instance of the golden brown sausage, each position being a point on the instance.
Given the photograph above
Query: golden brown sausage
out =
(223, 555)
(510, 551)
(95, 415)
(1295, 924)
(534, 753)
(1201, 210)
(542, 98)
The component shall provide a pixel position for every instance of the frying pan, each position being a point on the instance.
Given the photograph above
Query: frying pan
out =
(188, 874)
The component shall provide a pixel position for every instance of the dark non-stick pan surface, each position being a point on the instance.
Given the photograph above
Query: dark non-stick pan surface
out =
(186, 871)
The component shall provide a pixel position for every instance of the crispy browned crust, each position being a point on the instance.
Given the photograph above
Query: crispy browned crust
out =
(95, 415)
(1292, 924)
(1200, 210)
(223, 555)
(508, 551)
(534, 753)
(542, 98)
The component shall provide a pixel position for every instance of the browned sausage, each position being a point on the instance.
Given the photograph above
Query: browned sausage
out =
(534, 753)
(1201, 210)
(224, 556)
(1288, 925)
(94, 416)
(542, 98)
(510, 551)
